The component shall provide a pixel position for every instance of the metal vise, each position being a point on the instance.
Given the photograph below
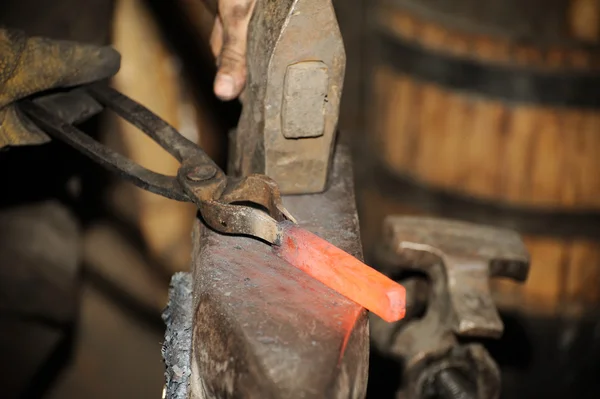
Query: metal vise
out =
(446, 266)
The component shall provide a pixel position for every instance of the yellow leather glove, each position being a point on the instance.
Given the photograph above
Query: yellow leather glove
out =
(33, 64)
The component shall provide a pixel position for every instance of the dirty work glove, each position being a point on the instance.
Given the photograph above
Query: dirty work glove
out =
(33, 64)
(228, 42)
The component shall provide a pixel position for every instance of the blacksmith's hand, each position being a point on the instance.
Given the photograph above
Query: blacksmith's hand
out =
(30, 65)
(228, 43)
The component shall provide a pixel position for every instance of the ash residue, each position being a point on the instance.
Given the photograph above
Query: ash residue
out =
(177, 347)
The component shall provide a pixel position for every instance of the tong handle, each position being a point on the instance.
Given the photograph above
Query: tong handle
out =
(141, 117)
(149, 123)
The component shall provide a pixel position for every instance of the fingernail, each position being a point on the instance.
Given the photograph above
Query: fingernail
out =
(225, 87)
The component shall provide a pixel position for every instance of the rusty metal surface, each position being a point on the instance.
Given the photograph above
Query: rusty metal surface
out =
(454, 262)
(296, 64)
(264, 329)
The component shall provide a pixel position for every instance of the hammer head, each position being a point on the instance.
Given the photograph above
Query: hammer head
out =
(296, 65)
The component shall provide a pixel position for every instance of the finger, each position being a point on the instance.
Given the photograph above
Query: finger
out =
(216, 38)
(44, 63)
(231, 76)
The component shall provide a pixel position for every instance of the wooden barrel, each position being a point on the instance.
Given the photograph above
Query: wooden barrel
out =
(488, 111)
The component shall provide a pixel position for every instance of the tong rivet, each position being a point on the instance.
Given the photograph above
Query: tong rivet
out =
(200, 173)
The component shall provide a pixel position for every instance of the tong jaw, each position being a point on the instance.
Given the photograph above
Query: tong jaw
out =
(250, 205)
(258, 190)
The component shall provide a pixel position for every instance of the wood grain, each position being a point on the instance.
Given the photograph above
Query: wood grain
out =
(526, 155)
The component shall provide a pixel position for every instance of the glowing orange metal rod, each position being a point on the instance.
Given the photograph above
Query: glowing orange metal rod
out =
(342, 272)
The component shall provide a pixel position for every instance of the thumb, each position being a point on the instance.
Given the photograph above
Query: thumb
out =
(231, 74)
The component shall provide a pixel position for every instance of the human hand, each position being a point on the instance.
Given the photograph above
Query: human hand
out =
(228, 43)
(34, 64)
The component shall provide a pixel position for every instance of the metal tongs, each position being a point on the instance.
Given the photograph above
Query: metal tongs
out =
(228, 205)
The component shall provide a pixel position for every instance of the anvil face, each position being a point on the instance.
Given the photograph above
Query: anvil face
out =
(264, 329)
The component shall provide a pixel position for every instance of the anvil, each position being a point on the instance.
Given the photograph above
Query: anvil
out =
(245, 323)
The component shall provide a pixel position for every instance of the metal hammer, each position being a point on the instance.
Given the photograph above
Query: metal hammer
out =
(296, 64)
(457, 259)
